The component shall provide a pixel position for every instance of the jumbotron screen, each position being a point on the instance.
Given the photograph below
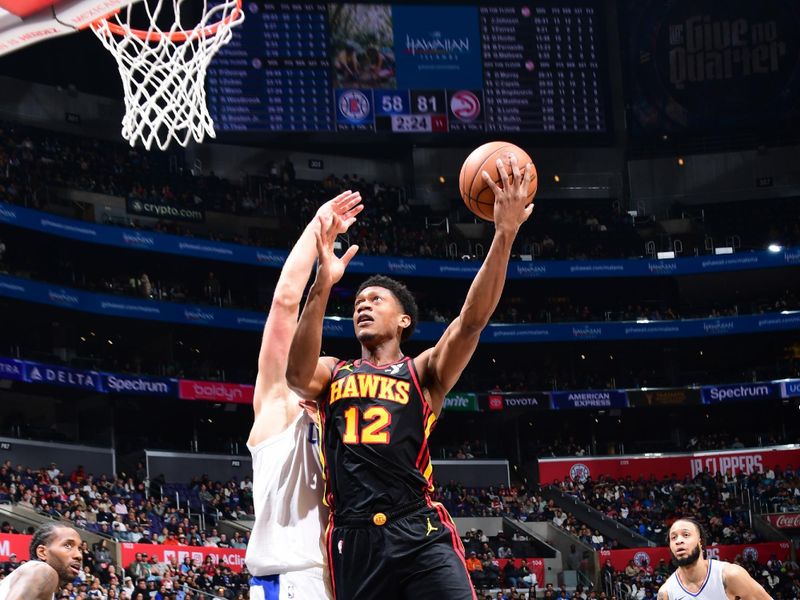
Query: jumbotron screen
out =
(412, 69)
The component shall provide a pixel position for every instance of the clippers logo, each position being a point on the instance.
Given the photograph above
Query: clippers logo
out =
(354, 106)
(641, 559)
(465, 105)
(750, 553)
(579, 472)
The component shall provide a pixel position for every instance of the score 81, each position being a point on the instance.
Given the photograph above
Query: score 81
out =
(428, 102)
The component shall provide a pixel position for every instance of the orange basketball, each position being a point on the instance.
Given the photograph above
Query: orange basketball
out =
(478, 196)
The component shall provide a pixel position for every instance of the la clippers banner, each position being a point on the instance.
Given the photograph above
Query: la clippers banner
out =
(231, 557)
(215, 391)
(669, 465)
(535, 566)
(784, 520)
(650, 557)
(151, 241)
(13, 543)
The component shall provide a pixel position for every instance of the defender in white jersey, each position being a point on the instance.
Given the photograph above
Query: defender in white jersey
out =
(286, 554)
(699, 578)
(56, 560)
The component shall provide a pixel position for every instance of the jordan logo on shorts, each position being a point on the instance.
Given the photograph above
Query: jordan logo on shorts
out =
(431, 528)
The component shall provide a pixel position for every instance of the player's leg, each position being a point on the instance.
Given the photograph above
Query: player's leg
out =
(359, 564)
(304, 585)
(265, 588)
(430, 557)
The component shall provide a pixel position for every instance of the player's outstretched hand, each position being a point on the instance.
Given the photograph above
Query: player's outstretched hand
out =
(511, 206)
(331, 268)
(346, 205)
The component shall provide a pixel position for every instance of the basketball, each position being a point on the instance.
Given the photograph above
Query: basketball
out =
(477, 195)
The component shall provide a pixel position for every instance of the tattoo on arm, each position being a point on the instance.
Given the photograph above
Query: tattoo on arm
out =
(39, 584)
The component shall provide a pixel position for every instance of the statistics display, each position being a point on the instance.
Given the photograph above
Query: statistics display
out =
(320, 67)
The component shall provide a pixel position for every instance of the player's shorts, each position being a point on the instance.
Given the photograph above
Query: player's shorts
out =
(415, 554)
(297, 585)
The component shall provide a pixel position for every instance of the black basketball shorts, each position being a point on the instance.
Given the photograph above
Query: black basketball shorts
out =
(414, 555)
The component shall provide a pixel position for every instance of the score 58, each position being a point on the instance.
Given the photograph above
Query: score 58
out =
(391, 102)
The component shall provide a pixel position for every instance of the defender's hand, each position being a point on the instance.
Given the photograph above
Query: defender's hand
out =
(346, 205)
(331, 268)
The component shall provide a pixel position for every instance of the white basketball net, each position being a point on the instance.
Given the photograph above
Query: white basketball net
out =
(163, 71)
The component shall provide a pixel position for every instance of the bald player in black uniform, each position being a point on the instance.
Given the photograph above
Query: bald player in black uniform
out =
(386, 539)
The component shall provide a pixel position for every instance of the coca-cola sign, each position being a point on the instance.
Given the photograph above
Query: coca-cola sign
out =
(784, 520)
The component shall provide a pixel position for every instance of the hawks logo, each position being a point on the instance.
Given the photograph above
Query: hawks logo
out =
(579, 472)
(750, 553)
(465, 105)
(641, 559)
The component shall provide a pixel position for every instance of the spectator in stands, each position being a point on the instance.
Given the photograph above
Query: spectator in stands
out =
(139, 568)
(475, 568)
(512, 575)
(102, 554)
(491, 569)
(11, 564)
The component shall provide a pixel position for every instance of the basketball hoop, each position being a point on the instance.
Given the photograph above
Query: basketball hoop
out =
(163, 68)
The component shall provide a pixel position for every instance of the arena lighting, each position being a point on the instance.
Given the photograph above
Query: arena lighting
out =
(441, 179)
(556, 178)
(774, 247)
(681, 162)
(723, 250)
(665, 255)
(642, 320)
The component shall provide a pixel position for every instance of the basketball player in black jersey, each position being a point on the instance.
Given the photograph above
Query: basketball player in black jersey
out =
(386, 539)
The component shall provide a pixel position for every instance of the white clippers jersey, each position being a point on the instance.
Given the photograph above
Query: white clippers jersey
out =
(712, 588)
(287, 496)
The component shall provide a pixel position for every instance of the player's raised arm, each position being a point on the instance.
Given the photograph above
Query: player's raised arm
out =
(282, 318)
(738, 583)
(441, 366)
(306, 373)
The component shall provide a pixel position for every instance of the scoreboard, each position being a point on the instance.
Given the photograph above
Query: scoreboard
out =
(316, 67)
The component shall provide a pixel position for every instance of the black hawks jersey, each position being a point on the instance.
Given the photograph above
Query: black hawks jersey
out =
(375, 428)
